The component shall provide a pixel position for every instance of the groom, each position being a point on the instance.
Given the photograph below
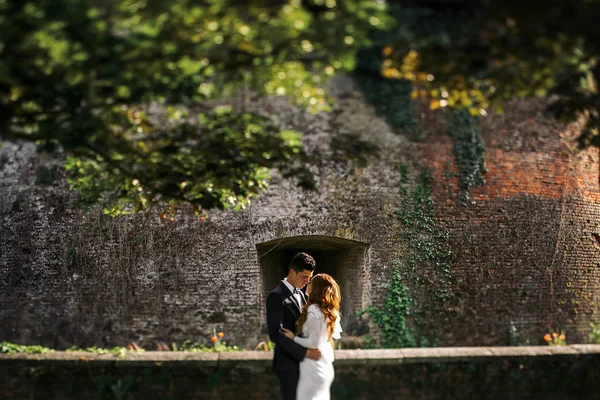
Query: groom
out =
(284, 305)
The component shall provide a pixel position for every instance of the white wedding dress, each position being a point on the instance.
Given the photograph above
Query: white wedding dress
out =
(316, 376)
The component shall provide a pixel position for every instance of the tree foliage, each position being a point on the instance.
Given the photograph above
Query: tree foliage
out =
(475, 54)
(85, 75)
(120, 84)
(237, 152)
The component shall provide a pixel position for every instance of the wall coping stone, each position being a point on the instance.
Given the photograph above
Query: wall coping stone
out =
(262, 359)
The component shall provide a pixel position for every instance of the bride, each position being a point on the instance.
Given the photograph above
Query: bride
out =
(318, 324)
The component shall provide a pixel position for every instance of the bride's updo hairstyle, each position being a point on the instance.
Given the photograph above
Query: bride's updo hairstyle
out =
(325, 293)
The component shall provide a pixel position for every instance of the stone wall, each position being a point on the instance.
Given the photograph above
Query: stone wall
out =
(443, 373)
(525, 249)
(82, 278)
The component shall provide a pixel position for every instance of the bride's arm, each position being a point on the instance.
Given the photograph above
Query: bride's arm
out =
(317, 332)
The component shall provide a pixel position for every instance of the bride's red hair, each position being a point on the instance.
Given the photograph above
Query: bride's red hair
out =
(326, 294)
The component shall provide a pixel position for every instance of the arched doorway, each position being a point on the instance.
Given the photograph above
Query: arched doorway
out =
(345, 260)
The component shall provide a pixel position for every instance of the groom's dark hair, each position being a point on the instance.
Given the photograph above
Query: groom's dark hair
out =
(302, 261)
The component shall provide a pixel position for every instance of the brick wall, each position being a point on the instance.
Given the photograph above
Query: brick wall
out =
(88, 279)
(524, 250)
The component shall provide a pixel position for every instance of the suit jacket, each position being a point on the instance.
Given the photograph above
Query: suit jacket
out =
(282, 312)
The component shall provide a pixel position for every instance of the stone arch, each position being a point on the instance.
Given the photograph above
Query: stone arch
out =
(347, 261)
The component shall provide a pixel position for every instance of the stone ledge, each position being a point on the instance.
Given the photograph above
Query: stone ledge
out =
(259, 359)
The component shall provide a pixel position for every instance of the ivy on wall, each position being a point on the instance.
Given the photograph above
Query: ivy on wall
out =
(393, 318)
(392, 101)
(419, 291)
(468, 150)
(392, 95)
(425, 257)
(390, 98)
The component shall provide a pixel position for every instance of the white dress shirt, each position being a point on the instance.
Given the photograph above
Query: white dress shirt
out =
(297, 296)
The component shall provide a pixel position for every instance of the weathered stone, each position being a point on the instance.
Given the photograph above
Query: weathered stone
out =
(450, 373)
(524, 254)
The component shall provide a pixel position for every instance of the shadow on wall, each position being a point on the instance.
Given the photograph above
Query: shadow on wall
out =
(347, 261)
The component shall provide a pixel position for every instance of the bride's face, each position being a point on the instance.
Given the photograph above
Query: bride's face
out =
(308, 289)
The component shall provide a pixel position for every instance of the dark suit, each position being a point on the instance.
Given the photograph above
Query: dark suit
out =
(282, 312)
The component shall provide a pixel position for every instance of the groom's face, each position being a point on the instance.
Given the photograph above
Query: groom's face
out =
(301, 279)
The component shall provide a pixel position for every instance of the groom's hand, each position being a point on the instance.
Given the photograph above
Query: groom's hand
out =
(313, 354)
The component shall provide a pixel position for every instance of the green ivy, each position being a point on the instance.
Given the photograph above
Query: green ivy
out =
(390, 98)
(121, 351)
(594, 335)
(425, 257)
(112, 387)
(11, 348)
(219, 347)
(392, 319)
(420, 287)
(468, 150)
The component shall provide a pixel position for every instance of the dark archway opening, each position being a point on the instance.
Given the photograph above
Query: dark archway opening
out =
(345, 260)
